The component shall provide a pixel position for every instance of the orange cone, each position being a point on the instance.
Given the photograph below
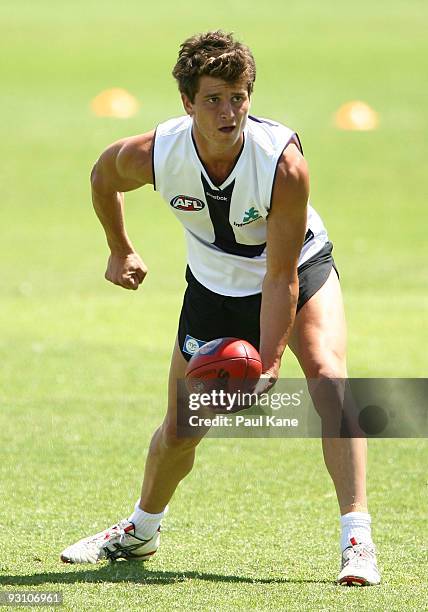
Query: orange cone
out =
(356, 115)
(114, 103)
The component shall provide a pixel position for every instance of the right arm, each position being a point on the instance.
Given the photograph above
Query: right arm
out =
(124, 166)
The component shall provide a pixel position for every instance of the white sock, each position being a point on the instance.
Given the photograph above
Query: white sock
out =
(146, 524)
(355, 525)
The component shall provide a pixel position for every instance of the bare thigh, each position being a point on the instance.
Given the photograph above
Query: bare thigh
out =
(169, 427)
(319, 334)
(176, 372)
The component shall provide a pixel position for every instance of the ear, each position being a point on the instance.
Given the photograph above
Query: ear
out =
(188, 106)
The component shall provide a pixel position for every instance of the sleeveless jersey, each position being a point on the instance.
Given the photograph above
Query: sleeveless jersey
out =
(225, 226)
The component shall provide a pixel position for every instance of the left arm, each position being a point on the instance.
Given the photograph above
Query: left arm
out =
(286, 228)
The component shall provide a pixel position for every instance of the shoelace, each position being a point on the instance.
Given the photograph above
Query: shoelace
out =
(122, 534)
(358, 553)
(119, 530)
(114, 531)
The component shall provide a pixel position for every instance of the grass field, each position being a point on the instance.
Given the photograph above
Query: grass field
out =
(83, 364)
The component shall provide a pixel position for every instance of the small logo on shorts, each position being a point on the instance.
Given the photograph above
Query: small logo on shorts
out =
(191, 345)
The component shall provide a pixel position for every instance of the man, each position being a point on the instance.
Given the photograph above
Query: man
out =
(260, 268)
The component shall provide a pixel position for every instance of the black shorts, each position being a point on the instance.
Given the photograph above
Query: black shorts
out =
(206, 315)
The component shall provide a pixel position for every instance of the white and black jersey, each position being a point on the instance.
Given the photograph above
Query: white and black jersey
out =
(225, 226)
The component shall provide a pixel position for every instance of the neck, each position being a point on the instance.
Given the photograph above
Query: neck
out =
(218, 160)
(216, 153)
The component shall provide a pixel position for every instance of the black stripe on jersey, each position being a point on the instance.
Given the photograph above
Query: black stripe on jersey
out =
(308, 237)
(153, 160)
(219, 208)
(257, 120)
(295, 135)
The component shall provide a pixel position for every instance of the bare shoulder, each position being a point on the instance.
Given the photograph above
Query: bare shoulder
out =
(291, 187)
(134, 159)
(292, 171)
(286, 226)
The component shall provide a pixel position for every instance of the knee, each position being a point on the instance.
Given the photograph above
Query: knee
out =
(326, 380)
(171, 439)
(331, 367)
(326, 383)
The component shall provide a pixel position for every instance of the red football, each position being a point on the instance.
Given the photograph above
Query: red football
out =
(227, 362)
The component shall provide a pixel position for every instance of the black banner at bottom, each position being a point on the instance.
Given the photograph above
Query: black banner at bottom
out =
(300, 408)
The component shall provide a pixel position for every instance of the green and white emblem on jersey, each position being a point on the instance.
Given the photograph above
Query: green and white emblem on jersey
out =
(249, 216)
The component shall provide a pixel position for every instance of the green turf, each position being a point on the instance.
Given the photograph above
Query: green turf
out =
(83, 364)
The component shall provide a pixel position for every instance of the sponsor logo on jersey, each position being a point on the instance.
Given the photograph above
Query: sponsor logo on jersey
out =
(214, 196)
(191, 344)
(249, 216)
(183, 202)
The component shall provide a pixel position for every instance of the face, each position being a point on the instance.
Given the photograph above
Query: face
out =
(219, 110)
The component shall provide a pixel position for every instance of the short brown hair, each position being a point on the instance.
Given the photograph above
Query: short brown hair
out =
(215, 54)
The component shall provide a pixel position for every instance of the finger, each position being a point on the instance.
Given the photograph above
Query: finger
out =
(140, 273)
(260, 387)
(130, 282)
(264, 384)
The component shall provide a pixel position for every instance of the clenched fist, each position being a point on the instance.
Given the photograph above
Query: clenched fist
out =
(127, 271)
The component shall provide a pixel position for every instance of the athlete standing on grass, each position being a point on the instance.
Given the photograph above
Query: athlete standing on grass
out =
(260, 268)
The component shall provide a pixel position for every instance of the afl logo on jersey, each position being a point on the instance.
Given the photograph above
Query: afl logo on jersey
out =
(182, 202)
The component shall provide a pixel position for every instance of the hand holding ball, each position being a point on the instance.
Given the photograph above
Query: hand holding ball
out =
(229, 364)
